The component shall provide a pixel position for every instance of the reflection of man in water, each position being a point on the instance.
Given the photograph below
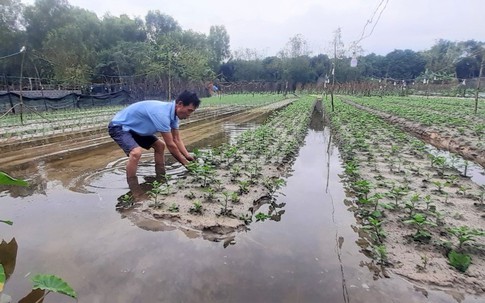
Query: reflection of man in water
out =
(134, 128)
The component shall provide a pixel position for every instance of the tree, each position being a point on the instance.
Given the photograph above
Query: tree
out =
(320, 65)
(472, 53)
(373, 66)
(158, 24)
(12, 36)
(77, 40)
(405, 64)
(116, 29)
(247, 70)
(44, 16)
(442, 57)
(297, 46)
(272, 68)
(218, 40)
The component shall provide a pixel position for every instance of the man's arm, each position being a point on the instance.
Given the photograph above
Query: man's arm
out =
(180, 144)
(173, 148)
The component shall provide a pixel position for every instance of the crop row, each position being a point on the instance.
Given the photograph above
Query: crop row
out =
(437, 113)
(403, 195)
(225, 181)
(42, 124)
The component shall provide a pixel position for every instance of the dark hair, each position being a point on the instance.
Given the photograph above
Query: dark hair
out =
(188, 98)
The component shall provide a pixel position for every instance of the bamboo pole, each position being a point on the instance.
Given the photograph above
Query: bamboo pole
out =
(478, 86)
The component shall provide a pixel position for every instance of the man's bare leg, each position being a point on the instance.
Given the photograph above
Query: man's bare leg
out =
(131, 178)
(159, 156)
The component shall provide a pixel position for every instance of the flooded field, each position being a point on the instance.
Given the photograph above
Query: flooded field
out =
(68, 225)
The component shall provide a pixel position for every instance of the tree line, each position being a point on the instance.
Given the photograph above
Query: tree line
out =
(72, 46)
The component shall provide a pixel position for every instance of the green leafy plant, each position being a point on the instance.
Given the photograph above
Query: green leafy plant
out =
(190, 195)
(52, 283)
(6, 179)
(440, 186)
(420, 221)
(462, 190)
(440, 163)
(262, 217)
(380, 253)
(235, 198)
(196, 208)
(3, 277)
(424, 262)
(465, 234)
(209, 194)
(374, 225)
(272, 184)
(412, 203)
(174, 208)
(126, 200)
(243, 187)
(246, 218)
(155, 192)
(396, 193)
(459, 261)
(235, 172)
(225, 211)
(362, 188)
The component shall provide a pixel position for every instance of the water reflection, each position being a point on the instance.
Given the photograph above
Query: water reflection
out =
(8, 256)
(466, 168)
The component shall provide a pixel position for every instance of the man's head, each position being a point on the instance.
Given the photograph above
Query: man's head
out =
(185, 104)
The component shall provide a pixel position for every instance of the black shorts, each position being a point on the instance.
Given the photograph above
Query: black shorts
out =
(128, 140)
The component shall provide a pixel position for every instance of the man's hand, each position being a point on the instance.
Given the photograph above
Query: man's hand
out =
(190, 158)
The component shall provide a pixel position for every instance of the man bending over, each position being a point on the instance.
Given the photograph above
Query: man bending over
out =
(134, 128)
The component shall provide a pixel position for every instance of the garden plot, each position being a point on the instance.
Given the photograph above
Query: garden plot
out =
(227, 184)
(448, 124)
(37, 128)
(424, 220)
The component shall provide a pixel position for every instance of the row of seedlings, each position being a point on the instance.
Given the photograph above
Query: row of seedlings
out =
(226, 181)
(404, 196)
(454, 119)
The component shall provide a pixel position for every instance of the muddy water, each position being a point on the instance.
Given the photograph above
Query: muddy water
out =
(307, 254)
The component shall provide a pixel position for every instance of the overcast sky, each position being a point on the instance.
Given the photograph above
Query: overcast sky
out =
(267, 25)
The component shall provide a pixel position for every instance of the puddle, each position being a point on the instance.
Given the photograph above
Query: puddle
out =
(308, 252)
(474, 171)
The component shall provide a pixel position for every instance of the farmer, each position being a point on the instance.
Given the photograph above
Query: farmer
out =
(134, 128)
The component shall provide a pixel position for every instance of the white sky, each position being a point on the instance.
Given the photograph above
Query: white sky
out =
(267, 25)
